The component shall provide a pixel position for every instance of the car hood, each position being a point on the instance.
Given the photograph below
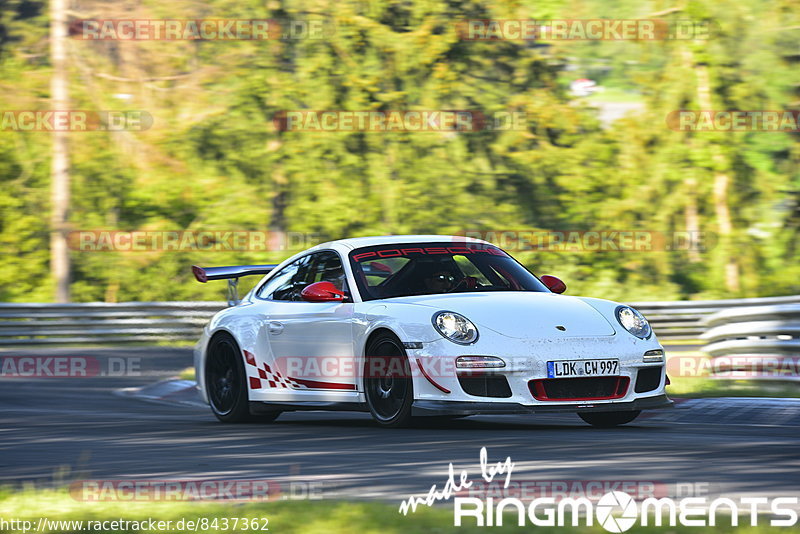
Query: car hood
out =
(522, 314)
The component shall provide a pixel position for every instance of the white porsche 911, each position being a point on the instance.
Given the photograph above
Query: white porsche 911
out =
(407, 326)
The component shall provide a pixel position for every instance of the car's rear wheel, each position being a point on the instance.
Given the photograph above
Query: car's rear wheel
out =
(387, 384)
(609, 419)
(226, 383)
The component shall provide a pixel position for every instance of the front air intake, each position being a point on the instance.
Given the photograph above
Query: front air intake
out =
(579, 389)
(648, 379)
(495, 386)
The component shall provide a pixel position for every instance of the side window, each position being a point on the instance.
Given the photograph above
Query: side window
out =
(327, 267)
(282, 285)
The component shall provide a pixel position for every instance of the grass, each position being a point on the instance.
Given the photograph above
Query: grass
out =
(676, 342)
(187, 374)
(703, 387)
(286, 517)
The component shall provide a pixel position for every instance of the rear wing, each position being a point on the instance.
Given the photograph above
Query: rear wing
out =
(231, 274)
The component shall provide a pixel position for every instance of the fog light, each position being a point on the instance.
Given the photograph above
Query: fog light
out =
(653, 356)
(479, 362)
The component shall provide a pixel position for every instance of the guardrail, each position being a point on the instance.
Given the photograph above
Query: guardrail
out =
(760, 342)
(684, 320)
(130, 322)
(92, 323)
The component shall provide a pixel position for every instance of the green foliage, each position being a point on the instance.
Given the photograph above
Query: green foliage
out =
(214, 159)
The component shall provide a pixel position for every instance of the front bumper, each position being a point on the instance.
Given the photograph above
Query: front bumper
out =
(526, 361)
(443, 407)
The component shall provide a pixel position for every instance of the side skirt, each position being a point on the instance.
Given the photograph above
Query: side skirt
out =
(264, 407)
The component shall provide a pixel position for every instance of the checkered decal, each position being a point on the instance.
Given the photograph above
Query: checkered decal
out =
(263, 377)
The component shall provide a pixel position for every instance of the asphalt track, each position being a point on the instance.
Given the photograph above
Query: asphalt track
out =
(55, 430)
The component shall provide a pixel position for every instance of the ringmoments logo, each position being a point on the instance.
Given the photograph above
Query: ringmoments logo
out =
(616, 511)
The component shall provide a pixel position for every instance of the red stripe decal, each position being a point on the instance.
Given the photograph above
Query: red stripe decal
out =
(322, 385)
(431, 380)
(250, 358)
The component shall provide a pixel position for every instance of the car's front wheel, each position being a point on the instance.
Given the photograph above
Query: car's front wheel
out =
(226, 383)
(387, 381)
(609, 419)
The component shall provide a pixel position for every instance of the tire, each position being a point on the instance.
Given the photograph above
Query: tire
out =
(609, 419)
(226, 383)
(390, 394)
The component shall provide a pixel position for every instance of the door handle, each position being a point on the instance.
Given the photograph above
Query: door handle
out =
(275, 327)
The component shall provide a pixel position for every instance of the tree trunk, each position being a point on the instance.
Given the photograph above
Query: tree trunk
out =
(692, 219)
(721, 182)
(690, 214)
(59, 97)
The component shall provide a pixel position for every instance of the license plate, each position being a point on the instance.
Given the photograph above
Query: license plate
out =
(573, 368)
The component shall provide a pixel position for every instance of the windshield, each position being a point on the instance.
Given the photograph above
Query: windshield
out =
(387, 271)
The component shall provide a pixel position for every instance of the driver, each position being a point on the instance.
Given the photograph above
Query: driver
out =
(440, 282)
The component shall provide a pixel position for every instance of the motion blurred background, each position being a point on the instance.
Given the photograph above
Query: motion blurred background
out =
(595, 159)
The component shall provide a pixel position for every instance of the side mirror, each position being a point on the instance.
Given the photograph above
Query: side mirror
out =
(322, 292)
(553, 284)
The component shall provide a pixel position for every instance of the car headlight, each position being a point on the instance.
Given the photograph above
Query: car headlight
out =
(633, 321)
(455, 327)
